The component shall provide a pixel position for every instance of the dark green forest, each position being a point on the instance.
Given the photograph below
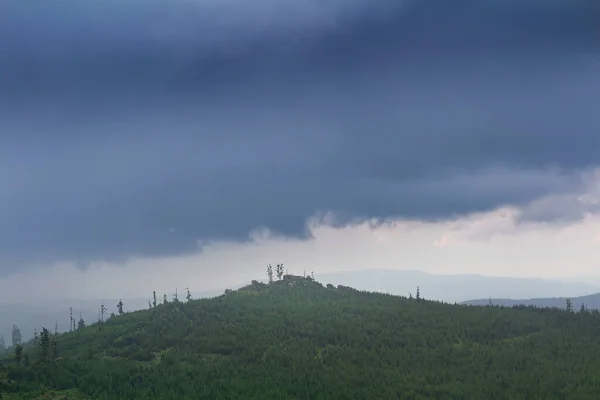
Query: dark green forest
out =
(295, 338)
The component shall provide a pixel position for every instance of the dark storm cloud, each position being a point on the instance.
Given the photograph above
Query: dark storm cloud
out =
(140, 127)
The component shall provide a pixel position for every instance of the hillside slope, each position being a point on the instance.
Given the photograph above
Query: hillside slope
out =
(30, 316)
(295, 339)
(590, 302)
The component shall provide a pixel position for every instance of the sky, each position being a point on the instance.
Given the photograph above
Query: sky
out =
(155, 143)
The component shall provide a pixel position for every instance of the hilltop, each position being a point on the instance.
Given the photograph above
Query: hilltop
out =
(299, 339)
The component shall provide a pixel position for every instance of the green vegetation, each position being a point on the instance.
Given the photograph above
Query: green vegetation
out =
(297, 339)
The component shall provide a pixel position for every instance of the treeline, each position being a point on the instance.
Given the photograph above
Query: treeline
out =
(79, 323)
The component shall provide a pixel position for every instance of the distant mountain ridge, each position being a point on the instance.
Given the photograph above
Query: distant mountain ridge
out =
(590, 302)
(457, 288)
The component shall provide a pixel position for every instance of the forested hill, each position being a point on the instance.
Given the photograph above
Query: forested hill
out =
(298, 339)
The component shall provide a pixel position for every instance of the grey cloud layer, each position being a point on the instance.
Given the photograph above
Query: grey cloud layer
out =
(138, 127)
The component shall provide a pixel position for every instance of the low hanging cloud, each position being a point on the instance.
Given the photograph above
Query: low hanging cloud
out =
(139, 128)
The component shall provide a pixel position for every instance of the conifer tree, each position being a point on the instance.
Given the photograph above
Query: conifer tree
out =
(270, 273)
(44, 344)
(54, 348)
(18, 353)
(418, 294)
(154, 298)
(188, 295)
(16, 336)
(99, 325)
(569, 305)
(2, 343)
(165, 301)
(71, 324)
(81, 323)
(120, 307)
(102, 312)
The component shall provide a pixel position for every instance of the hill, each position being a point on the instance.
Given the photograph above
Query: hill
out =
(298, 339)
(31, 315)
(590, 302)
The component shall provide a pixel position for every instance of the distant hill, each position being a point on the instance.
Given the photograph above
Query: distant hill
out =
(456, 288)
(299, 339)
(591, 302)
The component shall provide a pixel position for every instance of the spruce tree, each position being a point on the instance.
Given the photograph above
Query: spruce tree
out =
(54, 347)
(44, 344)
(16, 336)
(102, 312)
(81, 323)
(18, 353)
